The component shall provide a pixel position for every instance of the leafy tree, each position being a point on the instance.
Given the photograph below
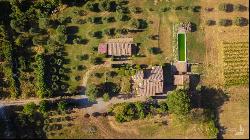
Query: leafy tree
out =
(61, 29)
(78, 78)
(109, 87)
(8, 69)
(155, 50)
(226, 7)
(94, 7)
(137, 10)
(18, 26)
(239, 7)
(109, 19)
(110, 32)
(21, 41)
(81, 67)
(240, 21)
(125, 18)
(225, 22)
(79, 40)
(96, 60)
(223, 7)
(22, 63)
(43, 23)
(61, 39)
(124, 112)
(211, 130)
(78, 21)
(62, 105)
(163, 107)
(98, 75)
(139, 23)
(29, 108)
(106, 97)
(108, 5)
(178, 102)
(210, 22)
(141, 109)
(92, 92)
(43, 106)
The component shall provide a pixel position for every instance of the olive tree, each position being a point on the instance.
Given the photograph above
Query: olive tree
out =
(178, 102)
(91, 92)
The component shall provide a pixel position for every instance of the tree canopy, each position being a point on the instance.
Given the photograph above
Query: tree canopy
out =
(178, 102)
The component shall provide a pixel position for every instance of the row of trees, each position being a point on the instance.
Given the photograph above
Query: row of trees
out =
(125, 112)
(177, 103)
(43, 89)
(28, 24)
(9, 66)
(228, 7)
(238, 21)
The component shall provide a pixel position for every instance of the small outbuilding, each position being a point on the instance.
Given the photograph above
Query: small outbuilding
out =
(117, 47)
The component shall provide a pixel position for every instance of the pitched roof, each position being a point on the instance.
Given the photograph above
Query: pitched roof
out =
(118, 47)
(149, 82)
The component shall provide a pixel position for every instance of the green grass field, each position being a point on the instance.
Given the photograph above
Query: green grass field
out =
(182, 47)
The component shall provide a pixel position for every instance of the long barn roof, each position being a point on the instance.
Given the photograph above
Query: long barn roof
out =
(117, 47)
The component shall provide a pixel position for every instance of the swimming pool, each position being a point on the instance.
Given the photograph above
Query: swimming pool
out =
(181, 47)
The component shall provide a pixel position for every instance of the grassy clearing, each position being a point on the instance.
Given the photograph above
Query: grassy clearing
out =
(154, 127)
(235, 113)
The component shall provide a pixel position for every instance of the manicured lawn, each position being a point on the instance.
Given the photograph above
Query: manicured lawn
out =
(182, 47)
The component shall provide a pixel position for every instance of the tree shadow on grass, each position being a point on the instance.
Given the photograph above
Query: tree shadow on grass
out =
(229, 7)
(211, 99)
(193, 27)
(196, 9)
(72, 30)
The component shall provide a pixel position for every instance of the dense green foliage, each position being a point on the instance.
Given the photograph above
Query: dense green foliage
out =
(125, 112)
(42, 88)
(44, 106)
(9, 67)
(178, 102)
(62, 105)
(106, 97)
(92, 92)
(29, 108)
